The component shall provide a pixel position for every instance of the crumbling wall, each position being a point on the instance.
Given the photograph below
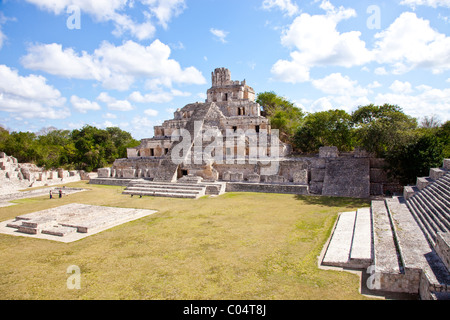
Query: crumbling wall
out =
(15, 175)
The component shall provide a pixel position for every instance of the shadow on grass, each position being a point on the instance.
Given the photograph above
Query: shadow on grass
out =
(334, 201)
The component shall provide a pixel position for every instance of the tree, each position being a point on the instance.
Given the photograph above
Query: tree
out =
(282, 114)
(23, 146)
(4, 136)
(414, 159)
(88, 149)
(443, 134)
(381, 128)
(430, 122)
(122, 140)
(326, 128)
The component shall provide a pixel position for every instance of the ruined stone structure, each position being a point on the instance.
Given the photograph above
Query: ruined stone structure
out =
(403, 242)
(70, 222)
(15, 175)
(252, 160)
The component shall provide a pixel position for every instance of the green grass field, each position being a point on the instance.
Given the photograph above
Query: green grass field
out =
(236, 246)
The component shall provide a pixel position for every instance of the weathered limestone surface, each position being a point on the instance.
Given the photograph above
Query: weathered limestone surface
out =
(347, 178)
(443, 248)
(70, 222)
(338, 252)
(328, 152)
(15, 176)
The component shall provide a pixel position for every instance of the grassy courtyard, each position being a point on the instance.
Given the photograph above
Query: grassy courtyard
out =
(236, 246)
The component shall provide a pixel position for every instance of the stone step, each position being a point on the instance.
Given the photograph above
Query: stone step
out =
(433, 215)
(427, 220)
(444, 184)
(442, 194)
(436, 210)
(415, 252)
(338, 251)
(27, 230)
(386, 257)
(212, 187)
(443, 204)
(361, 250)
(59, 230)
(446, 165)
(422, 223)
(167, 184)
(437, 173)
(162, 194)
(423, 182)
(169, 190)
(409, 191)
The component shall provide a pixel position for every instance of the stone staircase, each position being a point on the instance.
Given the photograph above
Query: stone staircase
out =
(173, 189)
(404, 240)
(429, 202)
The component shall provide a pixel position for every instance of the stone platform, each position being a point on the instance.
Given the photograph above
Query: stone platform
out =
(70, 222)
(408, 238)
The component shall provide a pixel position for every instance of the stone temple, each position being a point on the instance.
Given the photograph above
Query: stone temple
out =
(226, 141)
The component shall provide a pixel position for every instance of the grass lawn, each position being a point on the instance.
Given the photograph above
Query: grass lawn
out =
(237, 246)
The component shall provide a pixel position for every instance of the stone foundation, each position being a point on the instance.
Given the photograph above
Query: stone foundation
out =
(442, 248)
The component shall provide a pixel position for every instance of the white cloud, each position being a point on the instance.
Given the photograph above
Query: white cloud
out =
(342, 93)
(381, 71)
(116, 11)
(157, 96)
(429, 3)
(336, 84)
(427, 101)
(30, 96)
(160, 97)
(401, 87)
(142, 127)
(219, 34)
(164, 10)
(317, 42)
(151, 113)
(410, 43)
(114, 104)
(108, 124)
(321, 104)
(109, 116)
(116, 67)
(284, 5)
(52, 59)
(293, 71)
(374, 85)
(83, 105)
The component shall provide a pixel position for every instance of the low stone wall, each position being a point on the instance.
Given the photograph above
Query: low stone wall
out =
(443, 248)
(267, 188)
(408, 282)
(110, 182)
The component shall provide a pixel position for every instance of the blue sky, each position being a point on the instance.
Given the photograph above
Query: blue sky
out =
(131, 64)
